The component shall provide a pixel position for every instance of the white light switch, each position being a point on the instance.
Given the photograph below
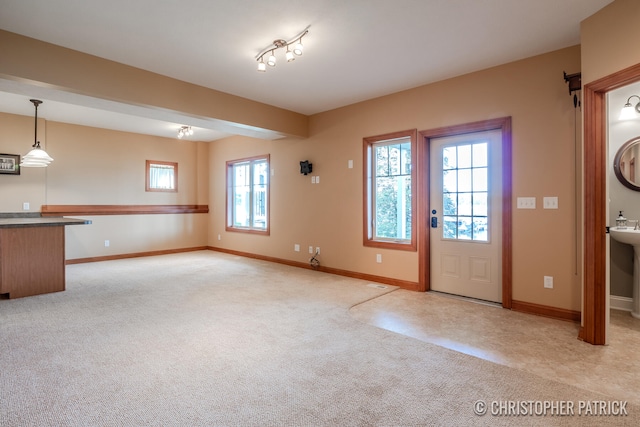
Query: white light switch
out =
(350, 164)
(526, 203)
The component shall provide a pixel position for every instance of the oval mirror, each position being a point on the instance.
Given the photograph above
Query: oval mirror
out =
(626, 164)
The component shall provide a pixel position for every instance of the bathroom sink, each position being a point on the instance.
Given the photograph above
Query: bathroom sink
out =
(631, 237)
(625, 235)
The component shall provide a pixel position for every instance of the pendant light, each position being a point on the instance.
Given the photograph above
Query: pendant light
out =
(37, 157)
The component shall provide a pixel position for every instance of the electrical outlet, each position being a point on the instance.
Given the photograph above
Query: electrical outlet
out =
(106, 243)
(318, 250)
(219, 237)
(350, 164)
(550, 203)
(25, 206)
(548, 282)
(296, 247)
(310, 249)
(379, 258)
(317, 179)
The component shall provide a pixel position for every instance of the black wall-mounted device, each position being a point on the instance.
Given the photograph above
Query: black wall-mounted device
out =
(305, 167)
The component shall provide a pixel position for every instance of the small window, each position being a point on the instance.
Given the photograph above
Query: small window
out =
(389, 188)
(248, 195)
(162, 176)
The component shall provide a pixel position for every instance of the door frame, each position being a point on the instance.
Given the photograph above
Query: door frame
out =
(595, 192)
(424, 144)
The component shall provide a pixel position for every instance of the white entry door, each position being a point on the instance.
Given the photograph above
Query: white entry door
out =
(466, 215)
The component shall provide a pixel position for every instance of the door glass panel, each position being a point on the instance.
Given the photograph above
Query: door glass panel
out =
(449, 158)
(464, 179)
(465, 189)
(480, 154)
(450, 181)
(464, 156)
(464, 228)
(450, 227)
(480, 182)
(480, 204)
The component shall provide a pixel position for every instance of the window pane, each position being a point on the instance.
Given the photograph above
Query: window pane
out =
(480, 207)
(449, 227)
(480, 155)
(480, 229)
(464, 228)
(382, 160)
(248, 195)
(406, 159)
(464, 204)
(386, 207)
(464, 179)
(260, 176)
(392, 191)
(161, 176)
(450, 204)
(449, 158)
(450, 180)
(242, 200)
(464, 156)
(480, 179)
(394, 159)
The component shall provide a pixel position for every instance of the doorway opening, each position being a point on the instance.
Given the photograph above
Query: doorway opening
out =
(595, 292)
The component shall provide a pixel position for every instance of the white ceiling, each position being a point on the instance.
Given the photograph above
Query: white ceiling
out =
(355, 49)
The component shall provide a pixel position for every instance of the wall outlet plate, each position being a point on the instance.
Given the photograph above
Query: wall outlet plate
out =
(550, 203)
(548, 282)
(526, 203)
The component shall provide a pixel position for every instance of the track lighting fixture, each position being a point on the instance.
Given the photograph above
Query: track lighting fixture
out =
(185, 131)
(280, 43)
(629, 111)
(37, 157)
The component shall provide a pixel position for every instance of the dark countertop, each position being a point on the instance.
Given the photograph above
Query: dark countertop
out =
(24, 221)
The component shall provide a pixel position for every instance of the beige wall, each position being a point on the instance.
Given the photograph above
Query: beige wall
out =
(329, 214)
(102, 167)
(609, 40)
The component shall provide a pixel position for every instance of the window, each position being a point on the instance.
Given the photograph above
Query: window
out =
(390, 190)
(248, 195)
(465, 189)
(161, 176)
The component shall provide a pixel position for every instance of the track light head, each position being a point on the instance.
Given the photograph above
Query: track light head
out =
(271, 61)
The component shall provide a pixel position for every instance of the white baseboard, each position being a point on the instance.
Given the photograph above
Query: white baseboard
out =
(621, 303)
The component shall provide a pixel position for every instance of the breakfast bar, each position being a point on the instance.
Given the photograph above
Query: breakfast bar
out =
(32, 254)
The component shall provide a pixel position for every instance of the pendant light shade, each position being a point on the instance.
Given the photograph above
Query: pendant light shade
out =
(37, 157)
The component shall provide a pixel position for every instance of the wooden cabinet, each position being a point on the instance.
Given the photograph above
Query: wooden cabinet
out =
(32, 259)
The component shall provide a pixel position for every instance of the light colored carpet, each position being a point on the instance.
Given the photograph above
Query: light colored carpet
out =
(209, 339)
